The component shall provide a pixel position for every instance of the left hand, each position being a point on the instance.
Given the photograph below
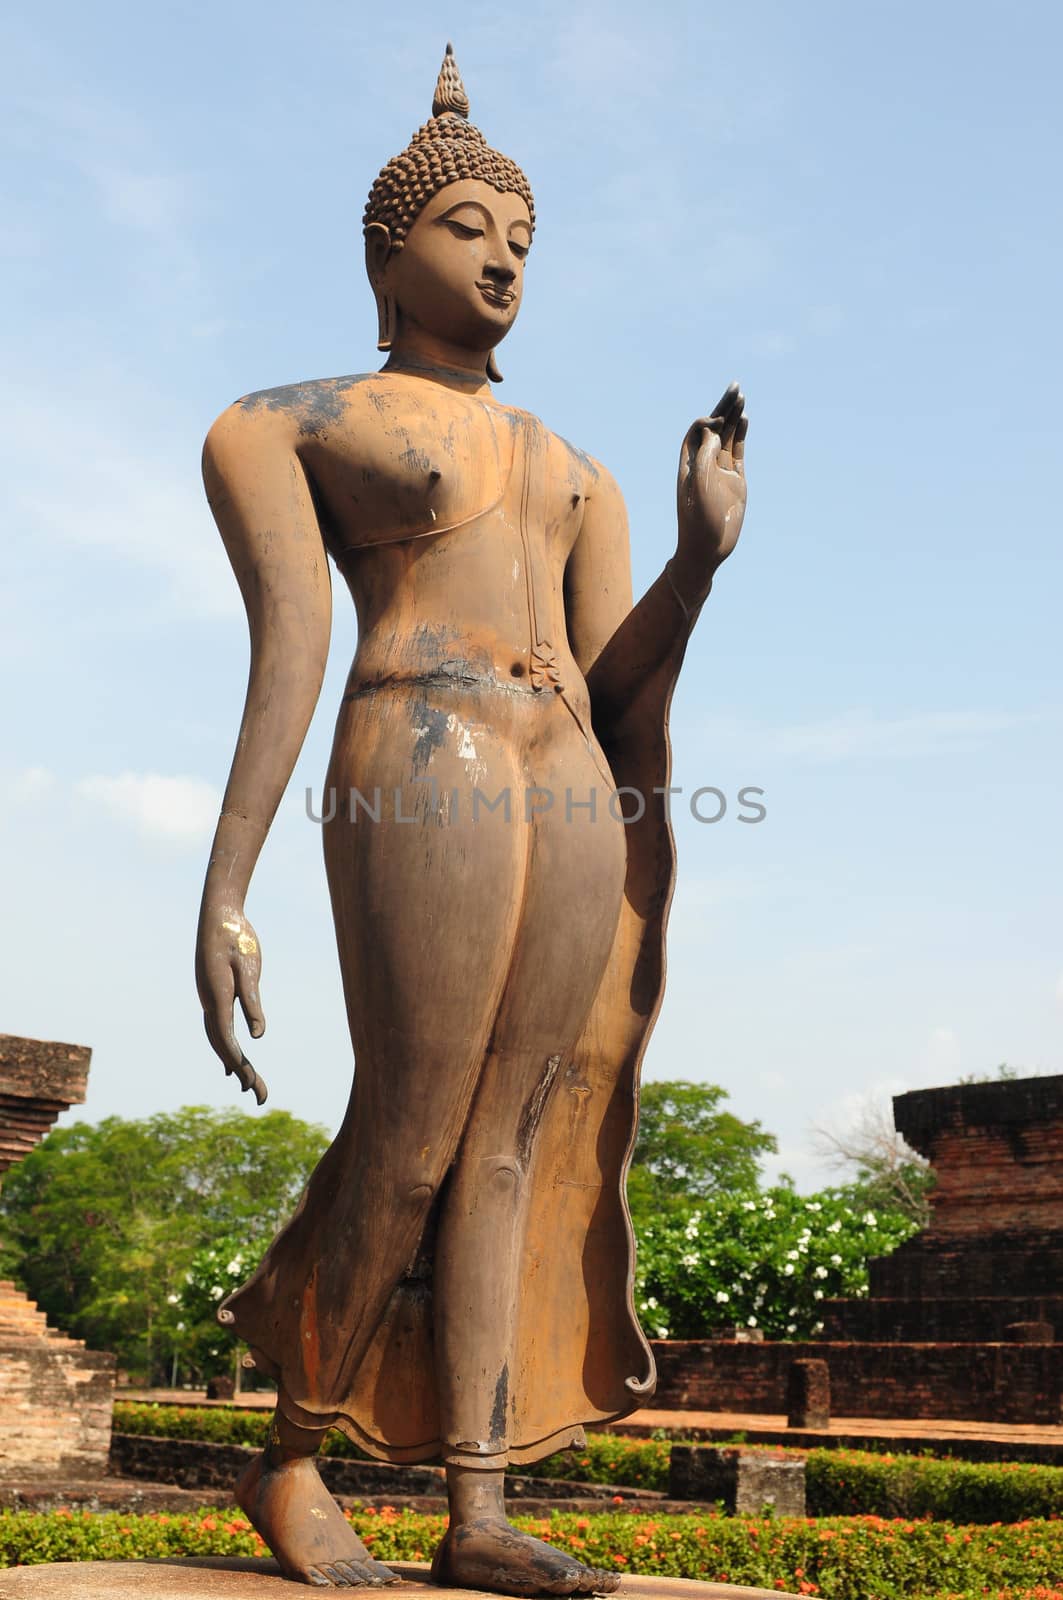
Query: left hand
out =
(711, 490)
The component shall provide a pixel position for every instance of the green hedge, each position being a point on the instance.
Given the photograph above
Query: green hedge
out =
(865, 1558)
(854, 1482)
(608, 1458)
(214, 1424)
(640, 1463)
(839, 1482)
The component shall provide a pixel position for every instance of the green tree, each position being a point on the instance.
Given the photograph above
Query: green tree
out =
(102, 1223)
(689, 1148)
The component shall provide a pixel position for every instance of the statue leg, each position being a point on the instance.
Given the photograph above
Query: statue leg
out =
(571, 901)
(427, 917)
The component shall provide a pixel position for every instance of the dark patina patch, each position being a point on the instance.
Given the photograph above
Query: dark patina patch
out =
(317, 405)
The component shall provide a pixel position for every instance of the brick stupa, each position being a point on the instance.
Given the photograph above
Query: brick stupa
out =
(989, 1266)
(55, 1420)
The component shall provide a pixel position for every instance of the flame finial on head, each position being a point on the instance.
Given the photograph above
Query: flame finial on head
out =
(450, 93)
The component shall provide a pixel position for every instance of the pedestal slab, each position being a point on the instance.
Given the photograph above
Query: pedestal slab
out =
(245, 1578)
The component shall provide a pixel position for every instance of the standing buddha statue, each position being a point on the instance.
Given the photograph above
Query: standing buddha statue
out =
(457, 1279)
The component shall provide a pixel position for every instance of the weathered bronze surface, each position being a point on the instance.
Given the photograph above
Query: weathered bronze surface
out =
(457, 1279)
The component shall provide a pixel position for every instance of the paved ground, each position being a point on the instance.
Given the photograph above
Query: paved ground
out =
(978, 1441)
(880, 1427)
(256, 1400)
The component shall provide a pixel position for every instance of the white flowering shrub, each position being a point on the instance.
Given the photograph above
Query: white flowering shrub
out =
(213, 1274)
(764, 1259)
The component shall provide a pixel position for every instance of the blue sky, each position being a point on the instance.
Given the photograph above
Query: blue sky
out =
(847, 208)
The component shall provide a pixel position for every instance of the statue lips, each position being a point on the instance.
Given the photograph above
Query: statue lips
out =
(494, 295)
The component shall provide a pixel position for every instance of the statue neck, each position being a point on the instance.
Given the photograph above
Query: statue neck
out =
(416, 351)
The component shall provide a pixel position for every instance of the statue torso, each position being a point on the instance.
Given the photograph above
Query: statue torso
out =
(451, 517)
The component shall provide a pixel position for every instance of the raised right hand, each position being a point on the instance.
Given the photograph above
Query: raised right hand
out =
(228, 966)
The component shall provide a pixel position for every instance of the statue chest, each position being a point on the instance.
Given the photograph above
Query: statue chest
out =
(401, 473)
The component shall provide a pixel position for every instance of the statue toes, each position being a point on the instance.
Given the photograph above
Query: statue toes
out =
(357, 1574)
(605, 1582)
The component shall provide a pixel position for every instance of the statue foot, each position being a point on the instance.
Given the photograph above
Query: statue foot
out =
(305, 1528)
(489, 1553)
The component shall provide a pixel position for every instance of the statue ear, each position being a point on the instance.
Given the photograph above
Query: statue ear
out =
(377, 251)
(377, 254)
(493, 374)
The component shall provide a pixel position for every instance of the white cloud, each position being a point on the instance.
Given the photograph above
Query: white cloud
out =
(179, 809)
(1059, 988)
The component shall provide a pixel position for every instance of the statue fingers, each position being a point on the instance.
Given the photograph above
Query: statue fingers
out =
(222, 1041)
(738, 449)
(727, 402)
(226, 1047)
(692, 442)
(256, 1084)
(711, 446)
(250, 1003)
(250, 1080)
(732, 418)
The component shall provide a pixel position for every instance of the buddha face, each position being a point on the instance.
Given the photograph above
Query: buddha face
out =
(460, 275)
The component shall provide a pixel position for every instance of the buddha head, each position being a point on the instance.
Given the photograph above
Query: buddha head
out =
(448, 226)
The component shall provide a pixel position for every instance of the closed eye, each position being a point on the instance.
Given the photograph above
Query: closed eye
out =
(518, 249)
(461, 230)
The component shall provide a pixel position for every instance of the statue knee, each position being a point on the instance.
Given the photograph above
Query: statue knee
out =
(502, 1176)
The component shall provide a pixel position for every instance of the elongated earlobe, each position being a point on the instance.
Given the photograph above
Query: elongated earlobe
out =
(385, 311)
(492, 369)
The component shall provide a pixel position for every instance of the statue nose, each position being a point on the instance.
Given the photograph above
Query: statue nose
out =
(500, 272)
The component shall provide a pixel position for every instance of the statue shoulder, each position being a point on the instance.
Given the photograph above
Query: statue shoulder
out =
(310, 408)
(270, 421)
(596, 480)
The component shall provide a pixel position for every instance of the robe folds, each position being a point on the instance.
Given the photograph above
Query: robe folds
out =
(579, 1356)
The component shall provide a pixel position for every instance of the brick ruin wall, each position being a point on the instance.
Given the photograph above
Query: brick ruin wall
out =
(56, 1397)
(938, 1336)
(1016, 1383)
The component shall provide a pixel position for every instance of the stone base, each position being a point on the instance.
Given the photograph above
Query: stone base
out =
(236, 1578)
(750, 1483)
